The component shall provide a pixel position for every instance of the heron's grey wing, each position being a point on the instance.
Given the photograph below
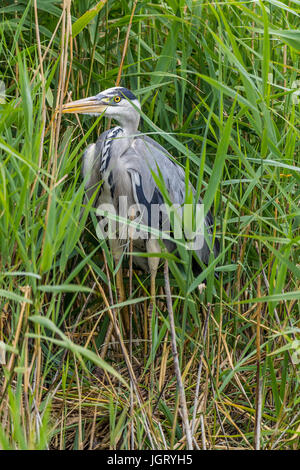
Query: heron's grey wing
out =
(154, 157)
(148, 156)
(209, 221)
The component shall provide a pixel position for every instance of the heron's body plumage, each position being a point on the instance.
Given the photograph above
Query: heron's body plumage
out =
(123, 162)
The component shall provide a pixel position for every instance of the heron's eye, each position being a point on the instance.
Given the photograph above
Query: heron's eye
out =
(117, 99)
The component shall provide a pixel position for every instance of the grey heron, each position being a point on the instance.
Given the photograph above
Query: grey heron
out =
(126, 162)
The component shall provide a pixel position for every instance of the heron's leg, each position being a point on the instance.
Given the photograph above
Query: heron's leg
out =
(117, 253)
(152, 247)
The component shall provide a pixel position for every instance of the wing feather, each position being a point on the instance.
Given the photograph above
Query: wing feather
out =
(132, 176)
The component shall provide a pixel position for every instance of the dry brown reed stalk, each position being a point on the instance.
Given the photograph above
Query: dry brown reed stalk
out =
(66, 36)
(133, 381)
(145, 323)
(196, 400)
(203, 438)
(233, 423)
(93, 429)
(79, 389)
(126, 44)
(220, 331)
(231, 363)
(57, 373)
(258, 392)
(9, 376)
(131, 427)
(242, 254)
(183, 404)
(125, 47)
(110, 326)
(37, 32)
(47, 49)
(163, 364)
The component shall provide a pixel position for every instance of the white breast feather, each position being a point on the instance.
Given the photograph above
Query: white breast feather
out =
(88, 162)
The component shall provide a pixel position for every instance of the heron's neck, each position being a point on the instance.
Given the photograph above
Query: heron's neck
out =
(130, 126)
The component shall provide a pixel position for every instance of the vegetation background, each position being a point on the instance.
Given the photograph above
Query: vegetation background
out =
(219, 87)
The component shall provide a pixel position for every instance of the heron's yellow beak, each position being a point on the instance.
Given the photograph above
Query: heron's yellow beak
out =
(84, 106)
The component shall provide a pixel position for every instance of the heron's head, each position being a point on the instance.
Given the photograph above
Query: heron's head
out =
(117, 103)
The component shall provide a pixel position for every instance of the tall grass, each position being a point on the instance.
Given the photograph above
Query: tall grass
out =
(219, 87)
